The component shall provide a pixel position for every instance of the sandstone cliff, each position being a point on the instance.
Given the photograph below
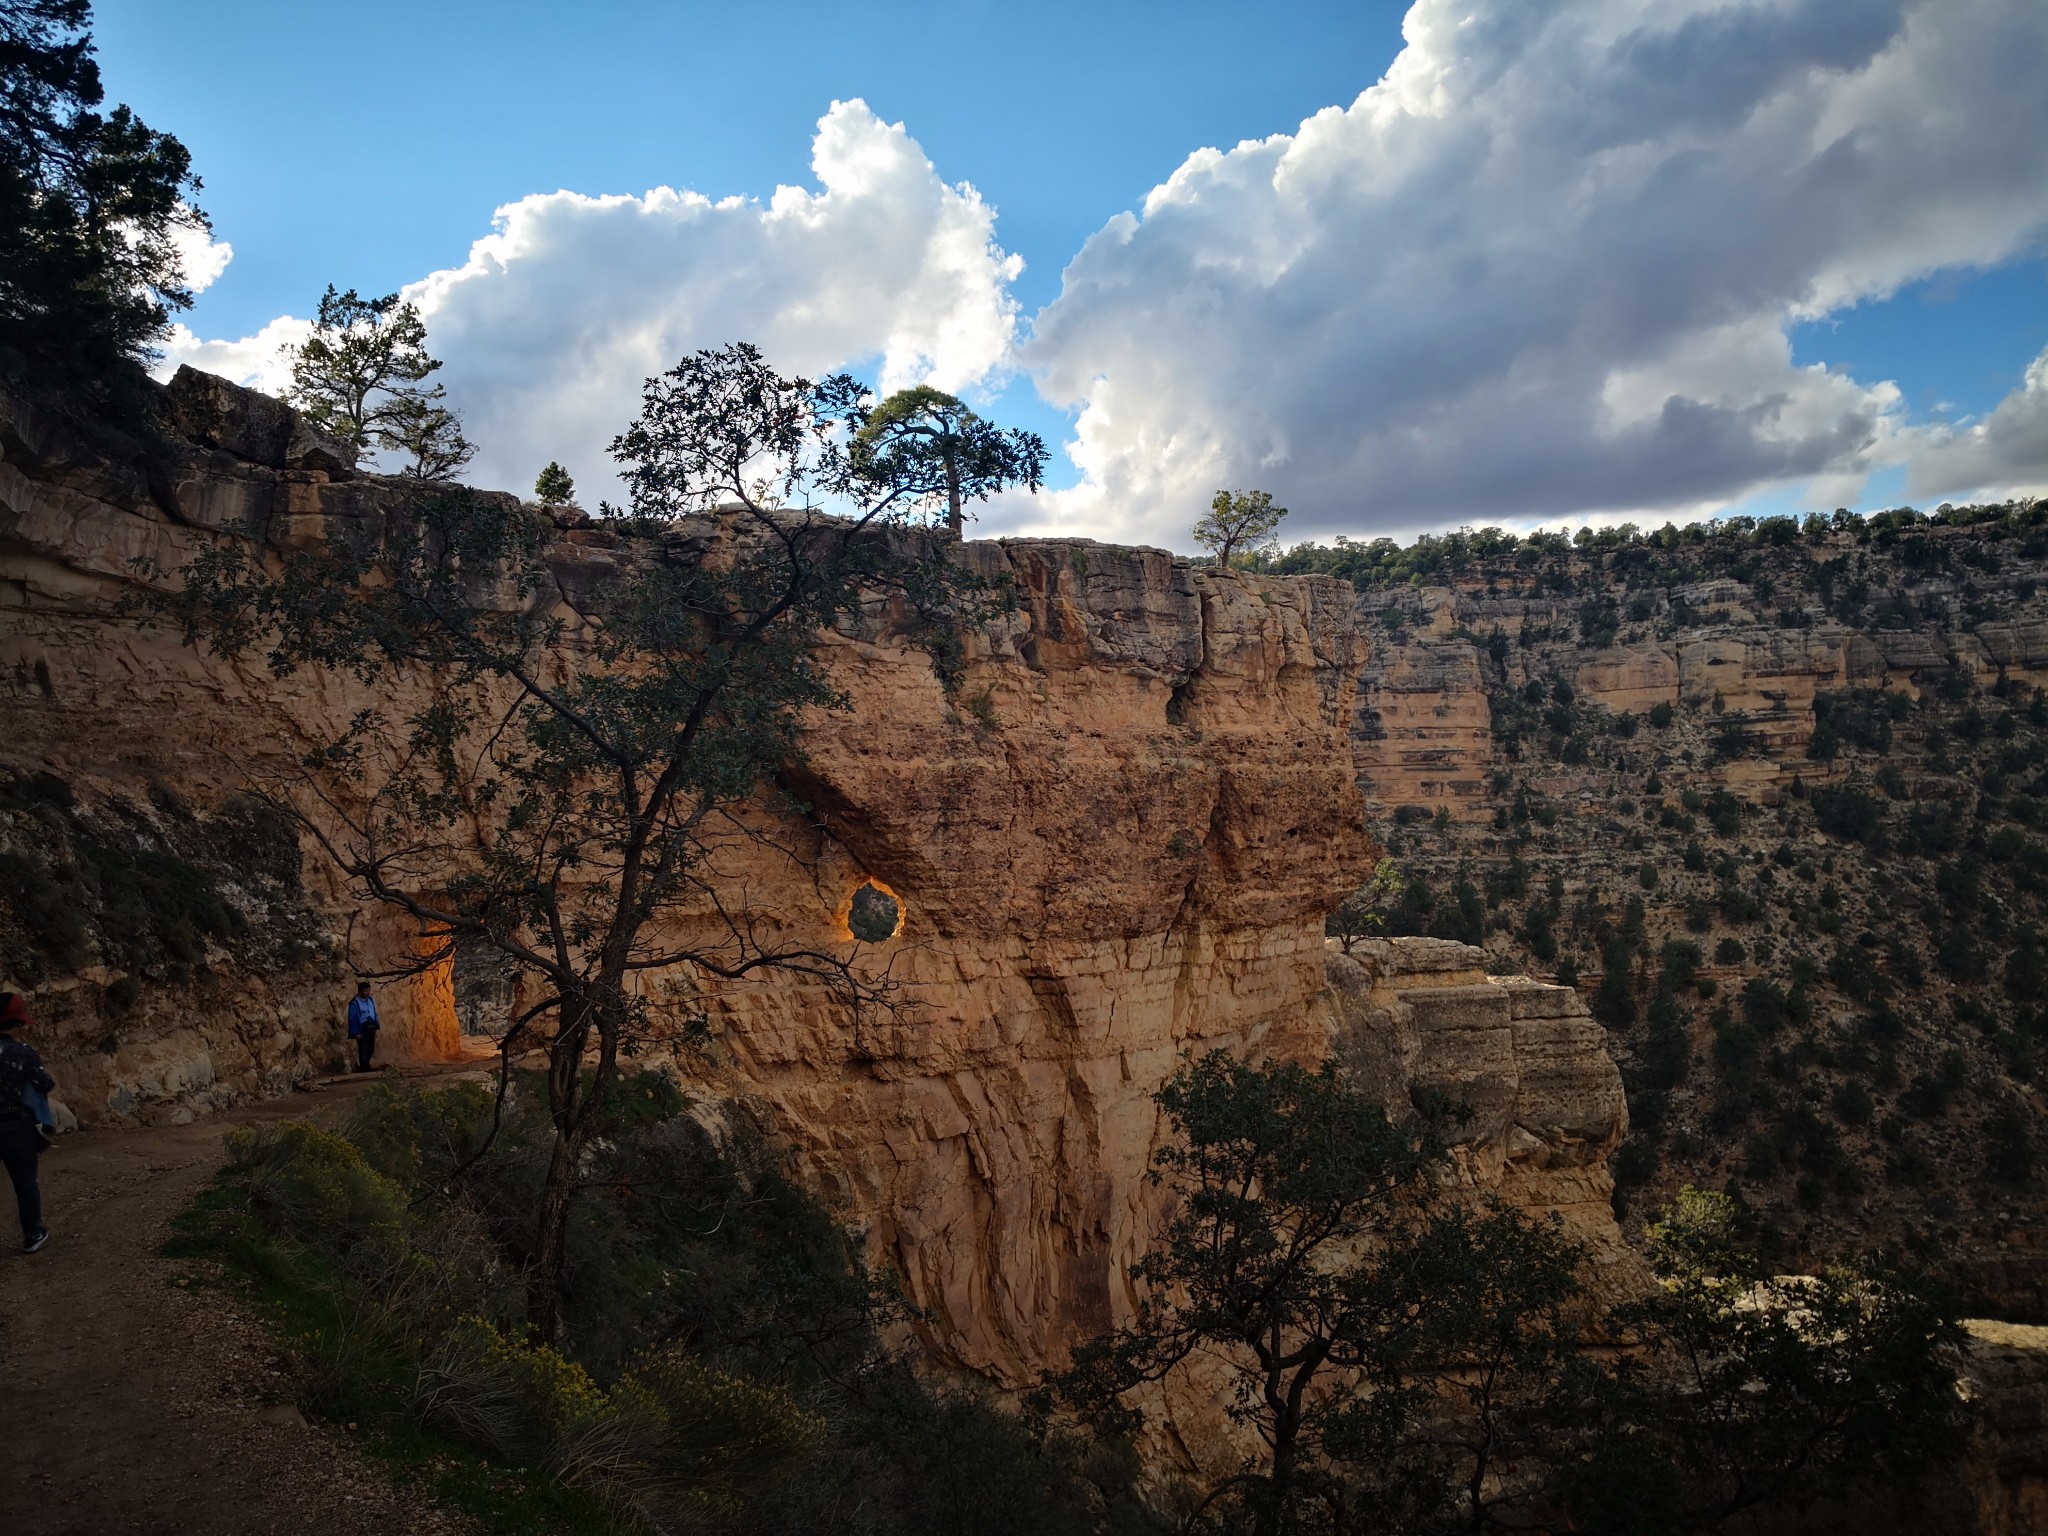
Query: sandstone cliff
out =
(1544, 1110)
(1123, 851)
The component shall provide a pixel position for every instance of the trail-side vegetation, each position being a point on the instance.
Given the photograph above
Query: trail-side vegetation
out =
(1391, 1360)
(725, 1364)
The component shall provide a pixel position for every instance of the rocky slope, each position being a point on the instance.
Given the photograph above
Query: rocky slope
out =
(1773, 797)
(1115, 843)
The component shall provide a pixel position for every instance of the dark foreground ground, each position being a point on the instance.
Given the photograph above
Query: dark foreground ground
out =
(134, 1398)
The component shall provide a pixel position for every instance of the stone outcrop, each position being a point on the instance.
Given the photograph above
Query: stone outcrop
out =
(2006, 1477)
(1539, 1101)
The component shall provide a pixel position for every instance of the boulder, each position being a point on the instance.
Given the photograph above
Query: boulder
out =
(250, 425)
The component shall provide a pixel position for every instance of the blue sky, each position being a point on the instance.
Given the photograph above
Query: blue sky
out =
(370, 150)
(1382, 373)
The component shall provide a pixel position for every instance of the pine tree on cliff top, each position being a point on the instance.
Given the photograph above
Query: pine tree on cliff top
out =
(930, 443)
(361, 377)
(552, 487)
(1239, 523)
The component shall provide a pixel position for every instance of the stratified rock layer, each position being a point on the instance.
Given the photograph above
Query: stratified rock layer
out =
(1127, 857)
(1539, 1101)
(1114, 843)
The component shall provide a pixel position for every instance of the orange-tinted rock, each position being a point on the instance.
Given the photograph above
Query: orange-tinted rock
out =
(1123, 852)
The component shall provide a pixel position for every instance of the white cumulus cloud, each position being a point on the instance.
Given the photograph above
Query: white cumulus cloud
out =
(548, 329)
(1548, 264)
(258, 361)
(202, 257)
(559, 314)
(2006, 451)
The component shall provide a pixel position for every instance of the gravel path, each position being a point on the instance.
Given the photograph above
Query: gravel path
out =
(128, 1404)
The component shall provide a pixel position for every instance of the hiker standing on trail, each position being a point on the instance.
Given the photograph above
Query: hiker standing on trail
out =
(25, 1122)
(362, 1025)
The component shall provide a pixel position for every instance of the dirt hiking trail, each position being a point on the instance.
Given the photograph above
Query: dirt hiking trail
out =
(128, 1404)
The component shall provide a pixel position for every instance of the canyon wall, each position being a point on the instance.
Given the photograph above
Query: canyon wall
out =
(1753, 654)
(1777, 799)
(1122, 852)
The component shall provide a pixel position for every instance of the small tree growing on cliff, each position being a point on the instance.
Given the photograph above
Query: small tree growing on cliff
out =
(569, 782)
(1364, 911)
(1238, 522)
(930, 444)
(552, 487)
(362, 377)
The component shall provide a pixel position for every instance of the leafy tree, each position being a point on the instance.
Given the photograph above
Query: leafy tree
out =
(1407, 1366)
(361, 377)
(1238, 521)
(552, 487)
(91, 205)
(1365, 909)
(1469, 1375)
(1280, 1172)
(428, 439)
(929, 446)
(1766, 1389)
(558, 802)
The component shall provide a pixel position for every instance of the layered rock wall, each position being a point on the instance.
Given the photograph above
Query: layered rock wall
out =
(1538, 1102)
(1753, 656)
(1122, 852)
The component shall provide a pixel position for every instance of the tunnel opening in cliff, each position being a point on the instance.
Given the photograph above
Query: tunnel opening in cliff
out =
(874, 915)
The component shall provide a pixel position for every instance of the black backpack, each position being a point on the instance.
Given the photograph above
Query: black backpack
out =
(19, 1071)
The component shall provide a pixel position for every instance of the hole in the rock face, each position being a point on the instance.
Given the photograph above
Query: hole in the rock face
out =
(876, 914)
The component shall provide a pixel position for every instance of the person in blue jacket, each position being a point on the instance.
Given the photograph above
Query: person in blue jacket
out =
(25, 1129)
(362, 1025)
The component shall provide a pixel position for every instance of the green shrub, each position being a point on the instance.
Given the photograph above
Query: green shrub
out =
(314, 1185)
(1680, 961)
(2008, 1145)
(417, 1139)
(1763, 1005)
(1724, 813)
(402, 1292)
(1614, 1002)
(1849, 814)
(50, 905)
(525, 1403)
